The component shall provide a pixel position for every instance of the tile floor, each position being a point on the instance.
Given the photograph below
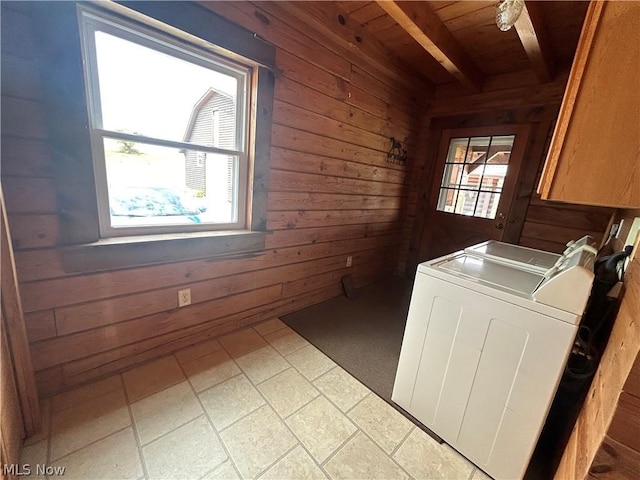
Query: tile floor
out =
(258, 403)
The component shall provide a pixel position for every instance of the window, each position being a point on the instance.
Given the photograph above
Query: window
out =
(117, 206)
(474, 174)
(169, 130)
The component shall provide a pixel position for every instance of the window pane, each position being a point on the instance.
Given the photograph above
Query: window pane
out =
(447, 200)
(484, 177)
(147, 92)
(500, 150)
(493, 177)
(487, 205)
(152, 185)
(457, 150)
(466, 202)
(452, 174)
(471, 177)
(478, 150)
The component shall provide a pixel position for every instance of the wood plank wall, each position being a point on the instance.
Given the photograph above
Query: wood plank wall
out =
(605, 436)
(12, 431)
(332, 194)
(538, 223)
(619, 455)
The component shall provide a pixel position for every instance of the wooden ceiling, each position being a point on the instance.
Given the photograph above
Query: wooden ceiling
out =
(447, 42)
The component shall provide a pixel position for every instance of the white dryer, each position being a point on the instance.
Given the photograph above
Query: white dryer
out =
(488, 334)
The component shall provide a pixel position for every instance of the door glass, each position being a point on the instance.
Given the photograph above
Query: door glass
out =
(474, 174)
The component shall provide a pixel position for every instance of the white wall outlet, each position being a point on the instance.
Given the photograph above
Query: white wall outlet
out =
(349, 261)
(184, 297)
(618, 228)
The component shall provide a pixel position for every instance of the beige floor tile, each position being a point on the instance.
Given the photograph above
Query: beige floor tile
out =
(242, 342)
(270, 326)
(341, 388)
(223, 472)
(321, 427)
(361, 458)
(230, 401)
(297, 464)
(210, 370)
(286, 341)
(188, 452)
(257, 441)
(115, 457)
(152, 377)
(311, 362)
(164, 411)
(35, 454)
(287, 392)
(424, 458)
(384, 424)
(480, 475)
(198, 350)
(74, 428)
(262, 364)
(86, 393)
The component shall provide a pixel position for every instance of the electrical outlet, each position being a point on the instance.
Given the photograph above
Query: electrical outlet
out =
(349, 261)
(184, 297)
(619, 229)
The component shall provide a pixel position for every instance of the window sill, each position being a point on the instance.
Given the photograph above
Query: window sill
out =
(135, 251)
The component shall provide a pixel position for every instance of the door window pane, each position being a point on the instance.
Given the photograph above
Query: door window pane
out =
(487, 205)
(474, 174)
(457, 150)
(452, 175)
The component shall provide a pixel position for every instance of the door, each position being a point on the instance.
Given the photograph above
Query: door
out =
(473, 187)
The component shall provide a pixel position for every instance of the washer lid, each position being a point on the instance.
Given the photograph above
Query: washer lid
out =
(492, 274)
(522, 257)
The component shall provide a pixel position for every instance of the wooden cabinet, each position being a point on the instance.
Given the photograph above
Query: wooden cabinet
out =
(594, 157)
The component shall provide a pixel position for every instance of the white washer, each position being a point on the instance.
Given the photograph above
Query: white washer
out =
(520, 257)
(481, 360)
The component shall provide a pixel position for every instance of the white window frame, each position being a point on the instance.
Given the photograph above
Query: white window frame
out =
(92, 20)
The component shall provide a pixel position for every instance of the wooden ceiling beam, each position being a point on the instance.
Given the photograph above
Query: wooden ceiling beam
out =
(422, 23)
(530, 29)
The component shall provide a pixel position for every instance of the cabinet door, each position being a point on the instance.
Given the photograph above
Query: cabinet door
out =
(594, 156)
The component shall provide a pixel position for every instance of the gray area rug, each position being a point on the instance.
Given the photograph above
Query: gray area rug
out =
(362, 335)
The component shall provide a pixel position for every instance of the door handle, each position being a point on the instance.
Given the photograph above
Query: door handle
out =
(499, 225)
